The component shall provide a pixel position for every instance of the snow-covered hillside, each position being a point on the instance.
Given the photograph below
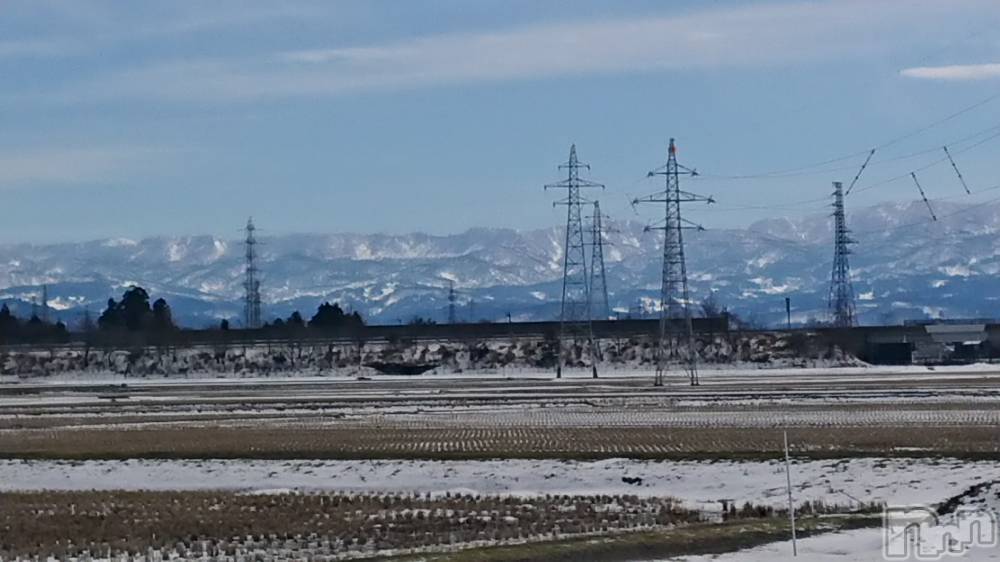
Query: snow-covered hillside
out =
(904, 266)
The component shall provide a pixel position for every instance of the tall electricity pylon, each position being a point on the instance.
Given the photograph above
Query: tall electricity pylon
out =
(251, 284)
(599, 306)
(674, 295)
(574, 316)
(841, 302)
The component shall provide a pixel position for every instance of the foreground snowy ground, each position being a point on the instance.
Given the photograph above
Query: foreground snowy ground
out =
(847, 546)
(699, 485)
(490, 416)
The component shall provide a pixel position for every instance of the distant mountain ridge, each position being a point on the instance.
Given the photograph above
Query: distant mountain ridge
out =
(904, 267)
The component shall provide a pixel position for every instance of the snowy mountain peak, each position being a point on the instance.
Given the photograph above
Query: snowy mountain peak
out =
(904, 265)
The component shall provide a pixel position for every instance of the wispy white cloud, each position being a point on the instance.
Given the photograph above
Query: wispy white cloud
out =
(746, 36)
(69, 166)
(179, 18)
(954, 72)
(84, 27)
(33, 48)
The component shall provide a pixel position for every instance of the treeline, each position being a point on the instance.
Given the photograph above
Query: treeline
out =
(328, 317)
(33, 330)
(134, 314)
(134, 320)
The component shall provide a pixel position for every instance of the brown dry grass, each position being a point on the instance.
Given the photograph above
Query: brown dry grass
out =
(332, 442)
(697, 539)
(292, 526)
(324, 526)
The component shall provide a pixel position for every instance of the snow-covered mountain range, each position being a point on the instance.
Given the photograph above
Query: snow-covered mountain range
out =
(904, 267)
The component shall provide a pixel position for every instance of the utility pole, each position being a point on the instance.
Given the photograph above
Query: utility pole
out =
(574, 316)
(45, 304)
(674, 295)
(251, 284)
(86, 322)
(636, 311)
(841, 301)
(451, 302)
(791, 502)
(598, 277)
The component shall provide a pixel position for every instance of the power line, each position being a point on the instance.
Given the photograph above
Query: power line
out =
(938, 218)
(931, 164)
(954, 115)
(926, 222)
(923, 196)
(787, 172)
(964, 139)
(809, 247)
(957, 172)
(807, 171)
(861, 171)
(893, 141)
(989, 26)
(869, 161)
(802, 246)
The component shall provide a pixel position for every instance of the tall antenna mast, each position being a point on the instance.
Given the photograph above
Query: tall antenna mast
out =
(574, 316)
(841, 302)
(599, 306)
(251, 300)
(451, 303)
(674, 295)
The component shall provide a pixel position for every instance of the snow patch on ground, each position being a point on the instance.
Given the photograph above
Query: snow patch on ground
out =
(845, 546)
(698, 484)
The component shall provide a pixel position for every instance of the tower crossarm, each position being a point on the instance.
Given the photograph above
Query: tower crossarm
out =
(684, 225)
(678, 196)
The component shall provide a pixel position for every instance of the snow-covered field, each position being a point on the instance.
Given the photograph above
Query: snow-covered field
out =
(861, 545)
(699, 484)
(481, 413)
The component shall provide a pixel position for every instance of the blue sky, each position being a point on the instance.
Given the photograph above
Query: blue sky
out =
(128, 119)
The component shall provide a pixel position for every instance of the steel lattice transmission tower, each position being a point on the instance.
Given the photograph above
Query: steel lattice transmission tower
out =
(841, 300)
(674, 294)
(599, 306)
(251, 283)
(574, 315)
